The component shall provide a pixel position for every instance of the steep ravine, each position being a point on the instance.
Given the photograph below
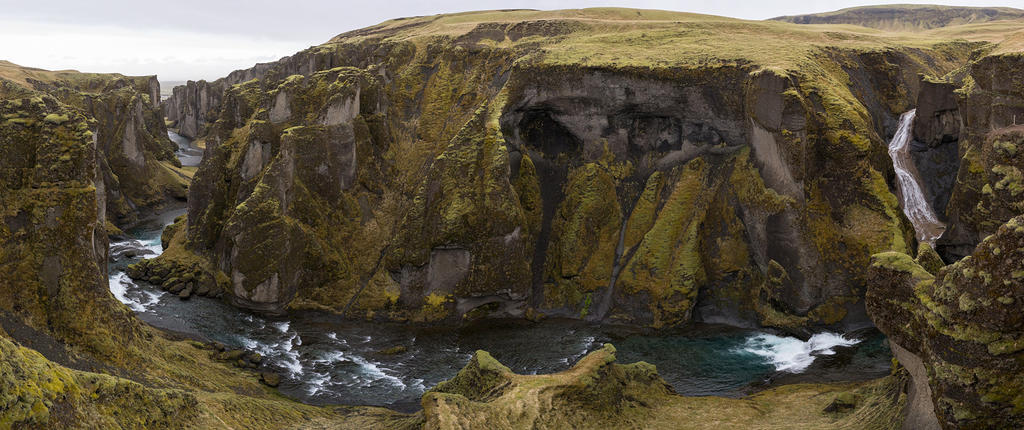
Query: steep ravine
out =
(369, 213)
(324, 359)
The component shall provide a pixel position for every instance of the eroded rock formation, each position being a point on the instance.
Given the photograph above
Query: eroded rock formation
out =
(453, 179)
(989, 182)
(963, 324)
(136, 159)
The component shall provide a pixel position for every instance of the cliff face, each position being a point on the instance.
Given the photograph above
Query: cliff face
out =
(136, 159)
(988, 191)
(964, 324)
(54, 245)
(936, 144)
(55, 299)
(432, 171)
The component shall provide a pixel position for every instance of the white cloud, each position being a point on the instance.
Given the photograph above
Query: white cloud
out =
(173, 54)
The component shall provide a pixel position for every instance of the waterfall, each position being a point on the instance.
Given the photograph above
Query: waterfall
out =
(915, 205)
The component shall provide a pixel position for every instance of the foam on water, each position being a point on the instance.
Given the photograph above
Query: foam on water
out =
(789, 354)
(140, 301)
(317, 382)
(153, 244)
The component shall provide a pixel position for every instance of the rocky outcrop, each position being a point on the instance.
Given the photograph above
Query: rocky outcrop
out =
(595, 393)
(53, 242)
(935, 149)
(963, 324)
(137, 161)
(598, 393)
(94, 364)
(988, 183)
(435, 182)
(194, 107)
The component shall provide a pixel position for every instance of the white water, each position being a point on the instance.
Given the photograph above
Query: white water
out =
(915, 205)
(137, 300)
(789, 354)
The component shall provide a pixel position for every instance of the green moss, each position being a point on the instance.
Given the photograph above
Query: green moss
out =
(667, 263)
(642, 218)
(1012, 179)
(900, 262)
(56, 119)
(750, 187)
(1008, 149)
(929, 259)
(585, 231)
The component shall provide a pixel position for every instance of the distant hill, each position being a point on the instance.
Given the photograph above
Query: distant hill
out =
(167, 88)
(908, 17)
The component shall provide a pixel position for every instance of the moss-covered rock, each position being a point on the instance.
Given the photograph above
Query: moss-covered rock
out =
(989, 188)
(494, 168)
(53, 234)
(965, 325)
(595, 393)
(136, 158)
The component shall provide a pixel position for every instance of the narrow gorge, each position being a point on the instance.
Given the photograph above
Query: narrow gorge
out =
(448, 222)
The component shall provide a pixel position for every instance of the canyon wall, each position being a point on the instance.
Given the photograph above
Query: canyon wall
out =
(440, 178)
(963, 323)
(989, 185)
(959, 325)
(136, 159)
(53, 242)
(71, 355)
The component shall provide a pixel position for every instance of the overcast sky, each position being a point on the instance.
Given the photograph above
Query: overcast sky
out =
(206, 39)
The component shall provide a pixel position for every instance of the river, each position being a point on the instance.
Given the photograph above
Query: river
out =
(326, 360)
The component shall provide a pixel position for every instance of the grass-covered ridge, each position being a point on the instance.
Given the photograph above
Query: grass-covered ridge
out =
(654, 38)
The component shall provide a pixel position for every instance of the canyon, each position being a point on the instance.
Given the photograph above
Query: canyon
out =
(615, 174)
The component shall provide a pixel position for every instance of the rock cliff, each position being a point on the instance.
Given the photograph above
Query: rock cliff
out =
(92, 364)
(964, 324)
(136, 159)
(989, 182)
(616, 165)
(53, 243)
(498, 164)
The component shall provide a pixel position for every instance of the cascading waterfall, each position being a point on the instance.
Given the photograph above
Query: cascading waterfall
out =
(915, 205)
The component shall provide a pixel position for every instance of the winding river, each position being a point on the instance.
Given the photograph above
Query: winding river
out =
(326, 360)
